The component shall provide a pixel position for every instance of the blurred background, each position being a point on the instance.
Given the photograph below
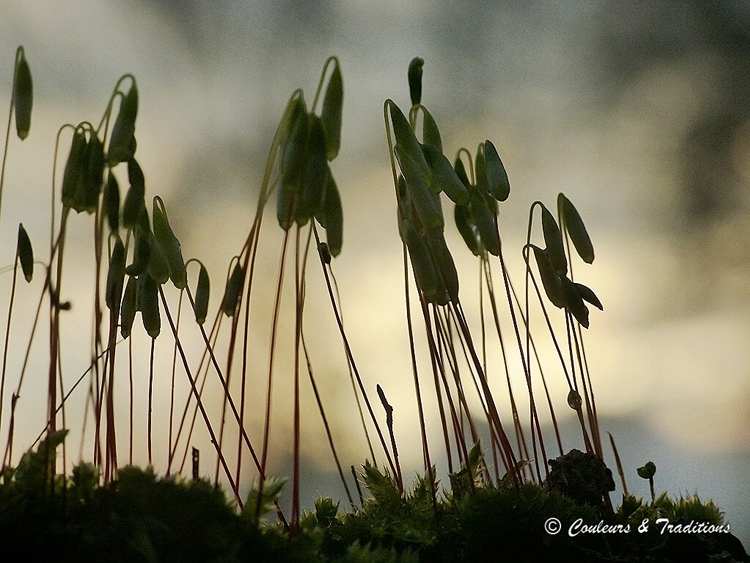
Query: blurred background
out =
(638, 111)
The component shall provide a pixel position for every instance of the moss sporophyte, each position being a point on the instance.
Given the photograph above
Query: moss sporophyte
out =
(512, 488)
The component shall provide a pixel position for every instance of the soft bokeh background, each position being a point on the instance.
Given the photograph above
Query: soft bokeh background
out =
(638, 111)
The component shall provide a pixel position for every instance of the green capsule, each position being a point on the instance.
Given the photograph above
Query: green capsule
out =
(480, 170)
(588, 295)
(554, 242)
(141, 252)
(158, 264)
(458, 166)
(550, 280)
(415, 80)
(25, 253)
(647, 471)
(202, 294)
(468, 232)
(232, 291)
(129, 306)
(407, 140)
(576, 229)
(148, 304)
(135, 199)
(330, 115)
(484, 221)
(111, 202)
(87, 197)
(23, 95)
(574, 303)
(286, 202)
(169, 244)
(430, 131)
(74, 168)
(115, 276)
(498, 185)
(122, 140)
(444, 176)
(310, 199)
(294, 144)
(446, 267)
(422, 263)
(426, 203)
(332, 216)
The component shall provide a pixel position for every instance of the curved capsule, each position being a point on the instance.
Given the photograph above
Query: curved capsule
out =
(333, 217)
(466, 229)
(430, 131)
(286, 199)
(111, 202)
(202, 294)
(426, 203)
(294, 145)
(574, 303)
(141, 253)
(498, 185)
(87, 197)
(458, 166)
(588, 294)
(446, 267)
(576, 229)
(422, 263)
(158, 265)
(115, 276)
(484, 221)
(550, 280)
(148, 304)
(25, 253)
(415, 80)
(554, 242)
(330, 115)
(135, 199)
(444, 176)
(74, 168)
(310, 199)
(122, 141)
(232, 291)
(407, 140)
(169, 244)
(129, 306)
(23, 95)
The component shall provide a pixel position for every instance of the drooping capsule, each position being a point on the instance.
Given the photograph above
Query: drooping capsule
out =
(554, 242)
(310, 199)
(129, 306)
(115, 276)
(332, 216)
(169, 244)
(430, 131)
(74, 168)
(294, 145)
(330, 115)
(87, 196)
(426, 203)
(498, 185)
(415, 80)
(111, 202)
(232, 291)
(122, 140)
(444, 177)
(576, 229)
(135, 199)
(25, 253)
(148, 304)
(202, 294)
(550, 280)
(23, 95)
(466, 229)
